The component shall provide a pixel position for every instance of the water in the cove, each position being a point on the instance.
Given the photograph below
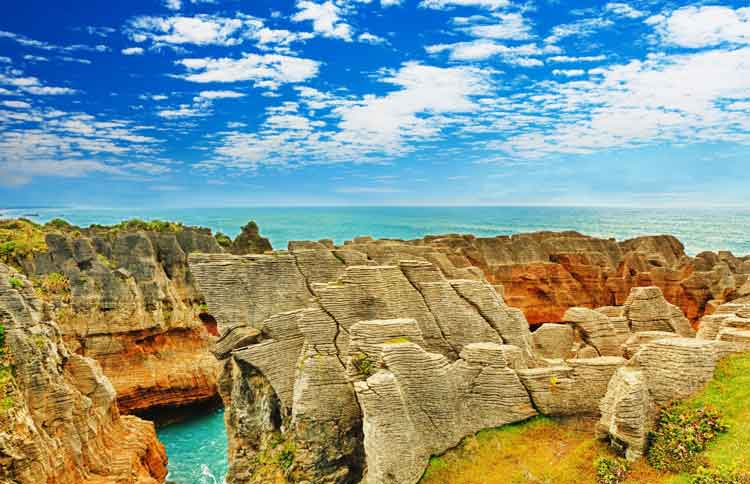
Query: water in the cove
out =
(197, 448)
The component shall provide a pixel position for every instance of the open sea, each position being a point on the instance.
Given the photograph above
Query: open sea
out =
(197, 447)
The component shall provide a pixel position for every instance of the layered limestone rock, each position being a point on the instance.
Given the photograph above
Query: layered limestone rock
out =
(124, 295)
(358, 363)
(318, 330)
(546, 273)
(665, 368)
(59, 421)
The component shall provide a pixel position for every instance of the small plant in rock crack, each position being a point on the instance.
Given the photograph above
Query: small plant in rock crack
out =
(363, 364)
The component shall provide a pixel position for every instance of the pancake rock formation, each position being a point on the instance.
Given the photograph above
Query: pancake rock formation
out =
(124, 295)
(546, 273)
(357, 363)
(59, 422)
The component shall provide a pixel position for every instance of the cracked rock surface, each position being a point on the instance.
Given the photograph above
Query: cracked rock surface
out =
(59, 421)
(358, 363)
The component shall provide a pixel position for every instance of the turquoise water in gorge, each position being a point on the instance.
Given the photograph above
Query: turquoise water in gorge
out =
(197, 448)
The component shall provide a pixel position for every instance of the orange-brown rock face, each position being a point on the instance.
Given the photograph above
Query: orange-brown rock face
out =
(125, 297)
(59, 422)
(546, 273)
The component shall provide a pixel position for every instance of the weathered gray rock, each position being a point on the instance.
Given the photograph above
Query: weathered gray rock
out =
(554, 341)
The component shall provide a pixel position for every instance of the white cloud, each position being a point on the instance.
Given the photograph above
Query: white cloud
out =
(390, 3)
(16, 104)
(707, 26)
(426, 100)
(32, 85)
(267, 71)
(178, 30)
(177, 4)
(5, 60)
(183, 111)
(326, 18)
(624, 10)
(35, 58)
(521, 55)
(220, 94)
(75, 59)
(568, 72)
(371, 38)
(580, 28)
(132, 51)
(445, 4)
(55, 143)
(573, 59)
(38, 44)
(509, 26)
(663, 99)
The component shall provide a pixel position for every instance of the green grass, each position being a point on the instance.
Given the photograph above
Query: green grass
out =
(19, 239)
(729, 392)
(545, 450)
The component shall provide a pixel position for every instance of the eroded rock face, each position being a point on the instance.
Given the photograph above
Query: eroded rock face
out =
(666, 368)
(59, 421)
(362, 365)
(132, 305)
(546, 273)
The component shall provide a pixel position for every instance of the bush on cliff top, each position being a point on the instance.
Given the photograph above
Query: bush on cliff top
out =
(19, 239)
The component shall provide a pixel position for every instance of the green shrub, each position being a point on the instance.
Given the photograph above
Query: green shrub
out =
(719, 476)
(54, 283)
(15, 282)
(363, 364)
(223, 240)
(286, 458)
(59, 224)
(611, 471)
(681, 435)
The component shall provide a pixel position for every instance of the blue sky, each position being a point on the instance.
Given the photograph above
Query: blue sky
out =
(367, 102)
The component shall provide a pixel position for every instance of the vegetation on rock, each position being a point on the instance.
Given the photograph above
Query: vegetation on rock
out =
(682, 433)
(611, 470)
(549, 450)
(15, 282)
(20, 239)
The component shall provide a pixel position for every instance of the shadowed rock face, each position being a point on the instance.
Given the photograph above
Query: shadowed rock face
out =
(133, 306)
(546, 273)
(59, 421)
(360, 362)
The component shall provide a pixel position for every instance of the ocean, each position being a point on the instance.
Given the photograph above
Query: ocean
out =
(197, 447)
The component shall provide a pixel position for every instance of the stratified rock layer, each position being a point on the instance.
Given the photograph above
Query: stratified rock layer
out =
(546, 273)
(358, 363)
(59, 422)
(130, 302)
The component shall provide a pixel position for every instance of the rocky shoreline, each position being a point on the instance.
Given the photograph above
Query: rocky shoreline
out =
(350, 362)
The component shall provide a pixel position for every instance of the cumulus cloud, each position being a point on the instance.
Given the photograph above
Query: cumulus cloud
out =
(16, 104)
(32, 85)
(580, 28)
(576, 59)
(369, 38)
(705, 26)
(178, 30)
(326, 19)
(520, 55)
(624, 10)
(220, 94)
(269, 70)
(504, 26)
(132, 51)
(424, 101)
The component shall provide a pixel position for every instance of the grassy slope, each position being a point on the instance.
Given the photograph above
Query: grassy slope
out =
(544, 450)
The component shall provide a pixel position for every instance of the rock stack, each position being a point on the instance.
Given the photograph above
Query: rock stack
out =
(59, 422)
(360, 362)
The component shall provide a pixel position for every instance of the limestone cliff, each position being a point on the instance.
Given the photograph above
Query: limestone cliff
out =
(546, 273)
(124, 295)
(59, 422)
(359, 362)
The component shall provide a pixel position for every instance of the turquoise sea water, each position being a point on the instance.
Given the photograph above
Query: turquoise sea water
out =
(698, 229)
(197, 448)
